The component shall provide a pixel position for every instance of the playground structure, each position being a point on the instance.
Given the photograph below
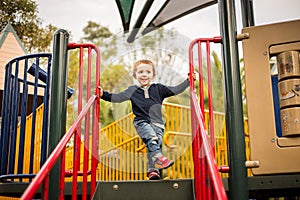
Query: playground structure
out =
(282, 178)
(275, 140)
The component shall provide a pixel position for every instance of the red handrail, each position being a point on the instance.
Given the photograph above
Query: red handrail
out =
(203, 148)
(75, 130)
(207, 42)
(57, 152)
(205, 153)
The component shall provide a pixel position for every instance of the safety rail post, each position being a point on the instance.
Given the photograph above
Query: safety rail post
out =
(21, 96)
(92, 102)
(207, 42)
(238, 183)
(58, 104)
(96, 114)
(203, 150)
(43, 174)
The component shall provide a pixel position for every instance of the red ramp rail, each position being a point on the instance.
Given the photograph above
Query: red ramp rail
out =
(208, 183)
(42, 176)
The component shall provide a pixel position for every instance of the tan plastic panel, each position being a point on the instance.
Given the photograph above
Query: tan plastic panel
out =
(275, 155)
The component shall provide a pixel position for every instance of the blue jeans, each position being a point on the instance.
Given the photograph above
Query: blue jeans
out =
(152, 137)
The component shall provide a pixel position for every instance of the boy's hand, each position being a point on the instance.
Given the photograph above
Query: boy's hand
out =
(193, 75)
(100, 90)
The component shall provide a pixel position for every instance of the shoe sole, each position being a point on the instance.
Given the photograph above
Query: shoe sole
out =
(155, 177)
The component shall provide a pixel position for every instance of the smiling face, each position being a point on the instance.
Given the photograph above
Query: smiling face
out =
(144, 74)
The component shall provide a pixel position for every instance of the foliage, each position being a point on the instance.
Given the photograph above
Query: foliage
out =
(243, 86)
(115, 78)
(22, 14)
(73, 75)
(95, 33)
(217, 83)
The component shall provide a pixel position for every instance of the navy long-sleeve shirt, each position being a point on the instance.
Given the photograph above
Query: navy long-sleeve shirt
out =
(146, 103)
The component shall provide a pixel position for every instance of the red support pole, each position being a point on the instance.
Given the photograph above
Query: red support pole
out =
(96, 120)
(210, 98)
(200, 70)
(61, 194)
(76, 166)
(45, 192)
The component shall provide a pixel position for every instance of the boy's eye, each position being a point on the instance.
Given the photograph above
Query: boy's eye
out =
(146, 71)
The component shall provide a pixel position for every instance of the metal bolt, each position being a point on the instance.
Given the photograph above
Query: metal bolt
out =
(115, 187)
(265, 53)
(175, 186)
(273, 140)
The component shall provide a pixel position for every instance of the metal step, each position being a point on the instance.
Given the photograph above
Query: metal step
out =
(145, 190)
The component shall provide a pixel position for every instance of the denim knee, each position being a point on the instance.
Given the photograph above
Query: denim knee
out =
(148, 135)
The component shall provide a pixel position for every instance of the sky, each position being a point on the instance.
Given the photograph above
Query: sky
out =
(73, 15)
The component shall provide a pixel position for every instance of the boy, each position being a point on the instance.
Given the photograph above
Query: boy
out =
(146, 100)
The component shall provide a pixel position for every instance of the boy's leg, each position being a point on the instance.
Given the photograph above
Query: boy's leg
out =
(161, 162)
(159, 132)
(152, 137)
(151, 140)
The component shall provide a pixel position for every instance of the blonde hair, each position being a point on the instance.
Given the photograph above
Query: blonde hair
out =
(143, 61)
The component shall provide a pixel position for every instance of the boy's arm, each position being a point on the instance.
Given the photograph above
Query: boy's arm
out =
(180, 88)
(117, 97)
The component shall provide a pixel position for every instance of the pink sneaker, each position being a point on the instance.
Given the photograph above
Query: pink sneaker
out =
(153, 175)
(163, 163)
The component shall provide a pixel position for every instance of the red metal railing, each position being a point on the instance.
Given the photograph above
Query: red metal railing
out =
(91, 108)
(42, 176)
(208, 184)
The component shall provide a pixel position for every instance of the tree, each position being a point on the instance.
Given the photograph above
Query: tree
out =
(95, 33)
(22, 14)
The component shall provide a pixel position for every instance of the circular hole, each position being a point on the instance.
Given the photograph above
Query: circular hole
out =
(261, 182)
